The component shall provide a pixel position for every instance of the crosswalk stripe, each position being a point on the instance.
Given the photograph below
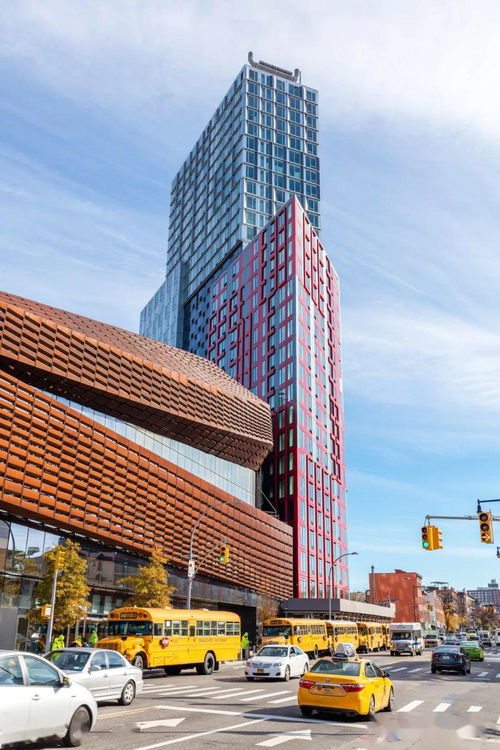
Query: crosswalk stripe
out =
(399, 669)
(266, 695)
(409, 706)
(283, 700)
(482, 674)
(174, 691)
(228, 694)
(165, 688)
(441, 707)
(498, 676)
(473, 709)
(419, 669)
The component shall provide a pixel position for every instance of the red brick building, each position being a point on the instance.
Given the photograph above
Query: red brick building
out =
(404, 590)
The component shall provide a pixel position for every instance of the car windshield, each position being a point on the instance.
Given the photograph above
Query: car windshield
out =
(468, 644)
(273, 651)
(446, 649)
(129, 627)
(347, 668)
(275, 631)
(70, 660)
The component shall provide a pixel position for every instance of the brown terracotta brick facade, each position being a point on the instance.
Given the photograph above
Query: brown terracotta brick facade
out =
(62, 468)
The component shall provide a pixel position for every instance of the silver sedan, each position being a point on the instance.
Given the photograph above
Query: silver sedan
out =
(107, 674)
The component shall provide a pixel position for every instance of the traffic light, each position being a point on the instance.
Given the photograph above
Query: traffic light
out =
(224, 553)
(59, 558)
(431, 538)
(485, 527)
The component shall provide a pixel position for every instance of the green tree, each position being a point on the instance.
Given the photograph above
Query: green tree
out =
(150, 584)
(72, 592)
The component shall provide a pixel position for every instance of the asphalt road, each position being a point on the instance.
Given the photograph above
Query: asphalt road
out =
(197, 712)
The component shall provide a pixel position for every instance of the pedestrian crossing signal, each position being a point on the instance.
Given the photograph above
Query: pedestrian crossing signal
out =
(485, 527)
(224, 553)
(432, 538)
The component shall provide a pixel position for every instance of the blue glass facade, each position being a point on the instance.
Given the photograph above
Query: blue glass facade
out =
(234, 479)
(259, 148)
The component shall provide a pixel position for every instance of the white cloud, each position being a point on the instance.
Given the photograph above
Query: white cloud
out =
(431, 59)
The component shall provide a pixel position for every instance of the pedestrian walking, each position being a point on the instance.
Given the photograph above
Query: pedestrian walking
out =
(245, 645)
(93, 638)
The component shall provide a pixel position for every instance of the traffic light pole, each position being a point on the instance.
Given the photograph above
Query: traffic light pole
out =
(191, 561)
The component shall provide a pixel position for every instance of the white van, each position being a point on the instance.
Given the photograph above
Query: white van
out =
(406, 637)
(495, 638)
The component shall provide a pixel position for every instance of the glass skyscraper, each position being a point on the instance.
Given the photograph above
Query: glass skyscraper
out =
(250, 286)
(259, 148)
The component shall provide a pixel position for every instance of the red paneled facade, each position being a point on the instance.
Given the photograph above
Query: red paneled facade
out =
(60, 467)
(275, 327)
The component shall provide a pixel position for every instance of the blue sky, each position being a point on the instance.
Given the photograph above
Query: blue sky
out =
(100, 103)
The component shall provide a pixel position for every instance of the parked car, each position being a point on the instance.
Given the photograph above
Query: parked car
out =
(356, 687)
(473, 649)
(38, 701)
(107, 674)
(278, 661)
(450, 659)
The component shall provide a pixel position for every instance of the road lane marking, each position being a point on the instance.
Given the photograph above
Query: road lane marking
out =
(128, 713)
(199, 691)
(498, 720)
(200, 734)
(409, 707)
(473, 709)
(174, 689)
(419, 669)
(497, 676)
(279, 739)
(266, 695)
(482, 674)
(142, 725)
(283, 700)
(228, 693)
(441, 707)
(399, 669)
(268, 717)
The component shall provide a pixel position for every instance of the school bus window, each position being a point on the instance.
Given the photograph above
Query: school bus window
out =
(236, 628)
(206, 627)
(192, 631)
(176, 627)
(184, 627)
(158, 628)
(213, 628)
(199, 627)
(229, 628)
(221, 628)
(168, 627)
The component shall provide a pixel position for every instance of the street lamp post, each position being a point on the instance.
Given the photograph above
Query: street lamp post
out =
(191, 562)
(330, 587)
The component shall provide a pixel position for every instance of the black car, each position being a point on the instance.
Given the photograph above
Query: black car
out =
(450, 659)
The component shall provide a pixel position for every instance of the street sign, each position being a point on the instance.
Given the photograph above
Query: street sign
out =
(191, 570)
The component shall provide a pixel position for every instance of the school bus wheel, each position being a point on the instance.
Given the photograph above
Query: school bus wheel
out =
(208, 665)
(140, 661)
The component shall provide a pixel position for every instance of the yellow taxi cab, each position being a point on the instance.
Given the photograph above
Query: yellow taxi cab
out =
(355, 687)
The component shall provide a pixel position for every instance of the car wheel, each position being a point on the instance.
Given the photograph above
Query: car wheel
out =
(139, 661)
(78, 726)
(286, 676)
(306, 710)
(306, 668)
(390, 703)
(250, 679)
(433, 670)
(128, 694)
(371, 710)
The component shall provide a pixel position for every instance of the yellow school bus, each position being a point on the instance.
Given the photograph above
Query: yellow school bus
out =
(341, 631)
(309, 635)
(173, 638)
(370, 637)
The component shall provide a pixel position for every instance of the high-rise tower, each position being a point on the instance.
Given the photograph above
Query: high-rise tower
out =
(259, 148)
(250, 286)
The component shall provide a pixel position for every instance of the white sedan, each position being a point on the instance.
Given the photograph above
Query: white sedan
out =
(278, 661)
(38, 701)
(106, 673)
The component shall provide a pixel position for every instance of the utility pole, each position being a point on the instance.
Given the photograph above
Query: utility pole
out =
(58, 563)
(191, 572)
